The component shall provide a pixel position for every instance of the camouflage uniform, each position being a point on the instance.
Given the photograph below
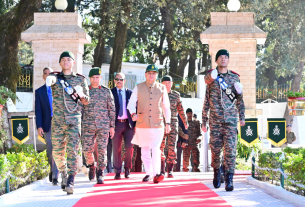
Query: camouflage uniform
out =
(134, 155)
(98, 117)
(223, 122)
(194, 132)
(175, 107)
(66, 126)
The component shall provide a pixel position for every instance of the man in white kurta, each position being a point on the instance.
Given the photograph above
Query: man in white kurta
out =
(148, 104)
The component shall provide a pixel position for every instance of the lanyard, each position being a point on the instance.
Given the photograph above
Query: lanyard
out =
(225, 89)
(68, 88)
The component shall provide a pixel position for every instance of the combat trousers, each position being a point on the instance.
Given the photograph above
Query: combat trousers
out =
(65, 138)
(223, 135)
(89, 137)
(186, 158)
(169, 144)
(134, 156)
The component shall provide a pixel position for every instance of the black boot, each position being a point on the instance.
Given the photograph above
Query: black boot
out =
(217, 180)
(92, 172)
(117, 176)
(222, 172)
(170, 170)
(229, 182)
(70, 184)
(63, 180)
(163, 167)
(54, 182)
(127, 172)
(100, 176)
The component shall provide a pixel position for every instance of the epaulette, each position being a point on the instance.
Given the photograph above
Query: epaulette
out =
(235, 73)
(55, 72)
(176, 92)
(105, 87)
(80, 75)
(209, 70)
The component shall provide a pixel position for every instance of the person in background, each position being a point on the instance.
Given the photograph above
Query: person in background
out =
(290, 136)
(124, 127)
(44, 114)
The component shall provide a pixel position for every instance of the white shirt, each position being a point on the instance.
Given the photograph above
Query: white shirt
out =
(123, 92)
(165, 104)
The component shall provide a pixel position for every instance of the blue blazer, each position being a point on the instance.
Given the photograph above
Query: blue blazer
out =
(117, 105)
(180, 139)
(42, 109)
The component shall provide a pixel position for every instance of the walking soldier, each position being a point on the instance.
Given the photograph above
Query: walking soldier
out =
(176, 108)
(224, 100)
(68, 90)
(98, 121)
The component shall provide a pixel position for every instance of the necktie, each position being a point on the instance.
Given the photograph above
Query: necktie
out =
(121, 103)
(50, 99)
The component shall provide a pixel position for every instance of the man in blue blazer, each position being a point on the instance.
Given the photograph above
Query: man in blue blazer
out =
(44, 114)
(124, 127)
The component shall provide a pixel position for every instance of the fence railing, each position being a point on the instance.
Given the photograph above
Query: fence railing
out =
(276, 93)
(25, 82)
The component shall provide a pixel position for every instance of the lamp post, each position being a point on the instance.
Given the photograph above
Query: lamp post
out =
(61, 5)
(233, 5)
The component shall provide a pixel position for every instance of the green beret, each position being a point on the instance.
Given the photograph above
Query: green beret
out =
(166, 78)
(95, 71)
(222, 52)
(152, 68)
(67, 54)
(189, 110)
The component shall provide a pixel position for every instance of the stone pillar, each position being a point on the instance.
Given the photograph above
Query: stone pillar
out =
(51, 34)
(236, 32)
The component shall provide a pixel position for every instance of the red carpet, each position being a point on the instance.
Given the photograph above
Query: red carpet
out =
(179, 191)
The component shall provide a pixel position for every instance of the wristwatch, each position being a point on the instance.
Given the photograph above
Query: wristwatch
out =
(168, 123)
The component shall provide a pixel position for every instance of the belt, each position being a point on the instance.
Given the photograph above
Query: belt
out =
(122, 120)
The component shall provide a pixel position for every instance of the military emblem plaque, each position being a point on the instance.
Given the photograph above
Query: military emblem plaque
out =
(277, 131)
(20, 129)
(249, 132)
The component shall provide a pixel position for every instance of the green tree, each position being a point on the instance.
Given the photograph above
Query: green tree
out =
(12, 22)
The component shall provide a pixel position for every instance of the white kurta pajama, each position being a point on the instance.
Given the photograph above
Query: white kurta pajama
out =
(150, 139)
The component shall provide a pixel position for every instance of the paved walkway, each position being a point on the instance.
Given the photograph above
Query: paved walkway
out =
(243, 194)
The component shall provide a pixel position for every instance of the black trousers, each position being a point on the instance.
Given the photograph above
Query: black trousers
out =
(122, 131)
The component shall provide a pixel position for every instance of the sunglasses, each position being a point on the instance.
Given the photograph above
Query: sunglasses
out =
(119, 79)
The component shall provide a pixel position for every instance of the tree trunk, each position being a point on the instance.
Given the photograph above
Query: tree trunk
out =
(99, 50)
(159, 49)
(192, 62)
(295, 86)
(270, 72)
(182, 63)
(11, 25)
(168, 28)
(71, 6)
(119, 40)
(296, 82)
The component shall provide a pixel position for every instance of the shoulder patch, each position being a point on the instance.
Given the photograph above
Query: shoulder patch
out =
(234, 72)
(80, 75)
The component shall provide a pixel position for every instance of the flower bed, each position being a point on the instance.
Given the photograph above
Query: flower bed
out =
(293, 164)
(22, 165)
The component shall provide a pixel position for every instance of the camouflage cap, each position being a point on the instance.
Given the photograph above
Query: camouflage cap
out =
(67, 54)
(166, 78)
(95, 71)
(152, 68)
(222, 52)
(189, 110)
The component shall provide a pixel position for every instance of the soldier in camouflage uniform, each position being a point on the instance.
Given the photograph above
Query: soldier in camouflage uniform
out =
(224, 100)
(66, 122)
(98, 121)
(194, 132)
(176, 108)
